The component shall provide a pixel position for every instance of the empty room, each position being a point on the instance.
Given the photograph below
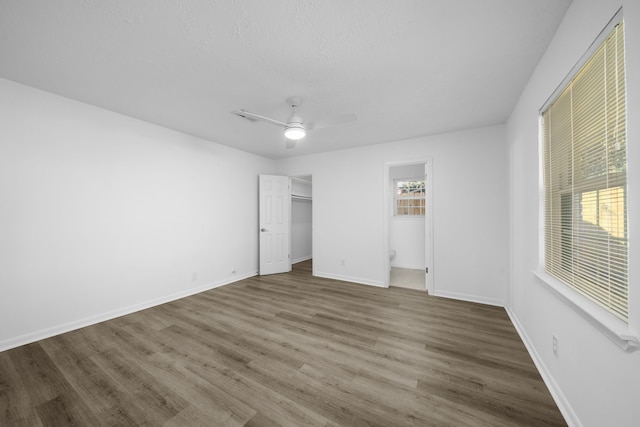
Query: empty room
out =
(331, 213)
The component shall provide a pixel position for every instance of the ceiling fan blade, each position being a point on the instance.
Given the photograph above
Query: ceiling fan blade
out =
(253, 117)
(290, 144)
(332, 121)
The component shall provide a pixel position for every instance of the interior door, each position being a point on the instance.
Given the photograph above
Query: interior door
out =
(275, 224)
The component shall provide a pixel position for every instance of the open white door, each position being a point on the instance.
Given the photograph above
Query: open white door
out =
(275, 224)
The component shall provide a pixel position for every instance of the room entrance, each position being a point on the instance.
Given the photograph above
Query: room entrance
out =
(301, 218)
(285, 222)
(408, 224)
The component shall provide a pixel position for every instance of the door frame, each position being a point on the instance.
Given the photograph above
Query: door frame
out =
(428, 220)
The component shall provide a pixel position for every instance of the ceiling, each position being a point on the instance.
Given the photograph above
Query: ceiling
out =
(406, 68)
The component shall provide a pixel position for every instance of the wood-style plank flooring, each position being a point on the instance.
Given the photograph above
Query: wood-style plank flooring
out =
(287, 349)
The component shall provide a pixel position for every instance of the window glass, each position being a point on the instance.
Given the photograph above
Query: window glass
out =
(409, 197)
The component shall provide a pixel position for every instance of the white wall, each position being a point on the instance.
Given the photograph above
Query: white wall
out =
(101, 214)
(406, 237)
(406, 234)
(470, 211)
(301, 230)
(595, 382)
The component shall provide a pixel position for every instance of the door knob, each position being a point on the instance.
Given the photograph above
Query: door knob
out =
(263, 229)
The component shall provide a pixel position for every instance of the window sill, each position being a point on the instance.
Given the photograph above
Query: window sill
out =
(615, 329)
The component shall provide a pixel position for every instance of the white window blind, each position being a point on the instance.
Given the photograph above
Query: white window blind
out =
(585, 183)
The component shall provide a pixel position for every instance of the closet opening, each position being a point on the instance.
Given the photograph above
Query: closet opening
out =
(301, 219)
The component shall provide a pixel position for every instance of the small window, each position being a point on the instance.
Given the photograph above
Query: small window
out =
(585, 178)
(409, 197)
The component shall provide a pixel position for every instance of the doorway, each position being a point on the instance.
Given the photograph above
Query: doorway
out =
(274, 224)
(285, 222)
(301, 219)
(408, 224)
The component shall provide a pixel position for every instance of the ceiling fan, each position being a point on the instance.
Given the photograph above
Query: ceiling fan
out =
(294, 127)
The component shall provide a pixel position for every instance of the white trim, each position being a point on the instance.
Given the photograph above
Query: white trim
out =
(386, 221)
(561, 401)
(468, 298)
(613, 328)
(428, 226)
(357, 280)
(92, 320)
(541, 218)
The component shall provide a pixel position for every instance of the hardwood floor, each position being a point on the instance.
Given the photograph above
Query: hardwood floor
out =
(286, 349)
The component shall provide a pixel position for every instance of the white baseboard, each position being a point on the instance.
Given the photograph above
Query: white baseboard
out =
(469, 298)
(563, 404)
(31, 337)
(358, 280)
(304, 258)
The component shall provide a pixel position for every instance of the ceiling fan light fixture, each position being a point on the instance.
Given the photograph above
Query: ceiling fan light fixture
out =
(294, 128)
(294, 131)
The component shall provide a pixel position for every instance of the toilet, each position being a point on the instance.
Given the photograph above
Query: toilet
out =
(392, 255)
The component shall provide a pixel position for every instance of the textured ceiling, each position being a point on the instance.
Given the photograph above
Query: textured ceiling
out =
(406, 68)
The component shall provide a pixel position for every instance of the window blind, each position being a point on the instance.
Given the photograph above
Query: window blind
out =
(585, 184)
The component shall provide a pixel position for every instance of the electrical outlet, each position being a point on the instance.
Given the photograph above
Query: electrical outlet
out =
(555, 345)
(341, 262)
(194, 277)
(233, 271)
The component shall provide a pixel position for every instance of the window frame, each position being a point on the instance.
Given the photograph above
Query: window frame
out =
(423, 198)
(614, 327)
